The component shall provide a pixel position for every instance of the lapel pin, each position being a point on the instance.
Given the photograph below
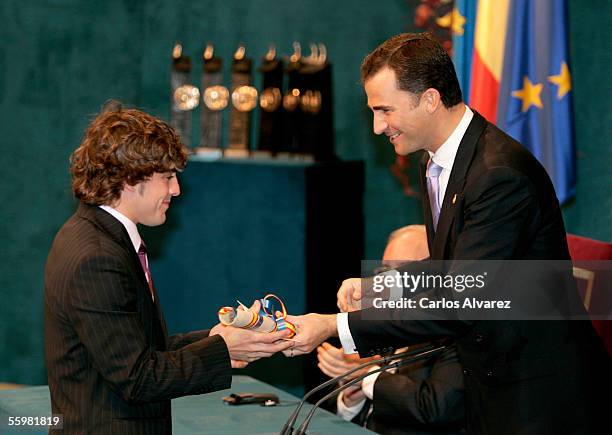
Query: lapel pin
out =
(454, 198)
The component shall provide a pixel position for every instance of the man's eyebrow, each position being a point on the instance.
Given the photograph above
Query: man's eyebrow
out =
(381, 107)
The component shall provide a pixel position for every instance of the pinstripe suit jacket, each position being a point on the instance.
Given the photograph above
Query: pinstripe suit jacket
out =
(112, 367)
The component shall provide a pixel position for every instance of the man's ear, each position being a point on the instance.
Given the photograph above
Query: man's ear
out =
(432, 100)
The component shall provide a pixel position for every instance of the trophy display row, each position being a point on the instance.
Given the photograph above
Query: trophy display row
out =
(295, 103)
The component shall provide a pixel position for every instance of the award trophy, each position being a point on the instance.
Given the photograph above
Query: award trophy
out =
(271, 317)
(291, 100)
(315, 131)
(184, 97)
(215, 98)
(244, 100)
(270, 101)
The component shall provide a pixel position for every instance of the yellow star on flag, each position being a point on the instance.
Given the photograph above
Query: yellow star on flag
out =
(530, 94)
(454, 20)
(563, 80)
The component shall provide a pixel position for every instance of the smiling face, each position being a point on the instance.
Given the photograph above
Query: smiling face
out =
(400, 115)
(147, 202)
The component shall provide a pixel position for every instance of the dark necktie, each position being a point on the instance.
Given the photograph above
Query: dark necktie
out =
(144, 262)
(433, 189)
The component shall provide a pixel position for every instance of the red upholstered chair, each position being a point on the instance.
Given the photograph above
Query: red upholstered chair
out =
(594, 291)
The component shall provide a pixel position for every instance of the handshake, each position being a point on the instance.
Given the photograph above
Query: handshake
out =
(248, 345)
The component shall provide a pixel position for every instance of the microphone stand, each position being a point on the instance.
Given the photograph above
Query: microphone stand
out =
(288, 427)
(403, 360)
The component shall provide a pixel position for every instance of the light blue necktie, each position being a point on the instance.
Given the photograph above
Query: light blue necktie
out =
(433, 188)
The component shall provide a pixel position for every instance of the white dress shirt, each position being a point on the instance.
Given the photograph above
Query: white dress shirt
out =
(445, 155)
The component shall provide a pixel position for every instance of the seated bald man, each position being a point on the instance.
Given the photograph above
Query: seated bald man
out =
(422, 398)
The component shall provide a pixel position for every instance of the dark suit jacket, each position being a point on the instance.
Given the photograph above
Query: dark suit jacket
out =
(521, 377)
(425, 397)
(112, 367)
(422, 398)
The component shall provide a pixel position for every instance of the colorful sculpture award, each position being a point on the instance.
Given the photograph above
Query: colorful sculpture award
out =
(269, 319)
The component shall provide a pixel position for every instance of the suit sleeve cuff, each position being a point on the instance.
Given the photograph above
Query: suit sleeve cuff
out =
(344, 333)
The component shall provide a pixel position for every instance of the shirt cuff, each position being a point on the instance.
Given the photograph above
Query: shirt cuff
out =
(347, 412)
(344, 333)
(367, 385)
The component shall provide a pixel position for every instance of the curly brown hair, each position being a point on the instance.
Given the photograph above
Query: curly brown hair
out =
(123, 146)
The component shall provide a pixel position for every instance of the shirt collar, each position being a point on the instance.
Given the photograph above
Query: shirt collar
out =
(445, 155)
(127, 223)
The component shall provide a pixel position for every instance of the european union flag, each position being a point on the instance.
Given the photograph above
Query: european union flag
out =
(535, 105)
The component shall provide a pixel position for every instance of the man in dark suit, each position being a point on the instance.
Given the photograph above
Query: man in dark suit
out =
(485, 197)
(112, 368)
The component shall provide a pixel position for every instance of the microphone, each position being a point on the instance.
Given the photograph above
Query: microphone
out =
(403, 360)
(288, 427)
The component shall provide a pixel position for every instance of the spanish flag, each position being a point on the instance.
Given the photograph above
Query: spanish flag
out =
(519, 76)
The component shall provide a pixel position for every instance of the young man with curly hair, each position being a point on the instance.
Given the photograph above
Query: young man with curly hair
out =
(112, 367)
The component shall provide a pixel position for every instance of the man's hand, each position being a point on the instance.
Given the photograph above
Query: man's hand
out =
(245, 345)
(349, 295)
(353, 395)
(334, 362)
(238, 364)
(312, 330)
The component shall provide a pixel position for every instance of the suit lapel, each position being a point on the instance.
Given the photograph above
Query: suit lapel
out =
(160, 316)
(115, 230)
(461, 164)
